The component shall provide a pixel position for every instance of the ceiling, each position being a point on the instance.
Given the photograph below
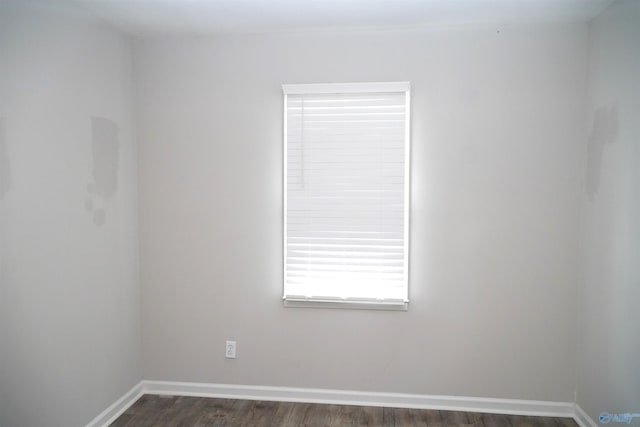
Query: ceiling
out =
(160, 17)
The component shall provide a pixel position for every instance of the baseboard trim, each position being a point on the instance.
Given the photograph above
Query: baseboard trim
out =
(582, 418)
(110, 414)
(340, 397)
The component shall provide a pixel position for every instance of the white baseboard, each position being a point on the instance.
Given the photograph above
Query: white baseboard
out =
(582, 418)
(110, 414)
(340, 397)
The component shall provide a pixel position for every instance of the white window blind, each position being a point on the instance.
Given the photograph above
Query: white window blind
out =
(346, 164)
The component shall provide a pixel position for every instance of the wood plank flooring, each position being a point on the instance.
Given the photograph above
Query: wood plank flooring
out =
(175, 411)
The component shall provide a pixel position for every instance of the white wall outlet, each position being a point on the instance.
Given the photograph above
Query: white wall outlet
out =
(230, 350)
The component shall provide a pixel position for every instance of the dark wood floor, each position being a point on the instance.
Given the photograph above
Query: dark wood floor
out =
(162, 411)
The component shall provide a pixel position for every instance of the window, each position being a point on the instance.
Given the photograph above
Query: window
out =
(346, 187)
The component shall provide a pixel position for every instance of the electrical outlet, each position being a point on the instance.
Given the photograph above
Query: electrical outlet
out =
(230, 350)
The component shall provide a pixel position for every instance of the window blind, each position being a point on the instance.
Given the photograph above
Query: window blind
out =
(346, 192)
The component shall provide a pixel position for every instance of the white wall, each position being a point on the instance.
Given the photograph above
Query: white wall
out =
(69, 287)
(609, 346)
(497, 125)
(498, 183)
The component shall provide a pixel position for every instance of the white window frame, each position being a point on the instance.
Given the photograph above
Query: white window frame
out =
(341, 88)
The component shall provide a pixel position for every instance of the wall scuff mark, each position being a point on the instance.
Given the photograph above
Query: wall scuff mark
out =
(5, 165)
(105, 149)
(604, 131)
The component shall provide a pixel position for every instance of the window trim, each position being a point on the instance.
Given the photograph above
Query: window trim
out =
(339, 88)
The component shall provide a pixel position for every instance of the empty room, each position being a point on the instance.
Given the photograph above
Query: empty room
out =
(319, 212)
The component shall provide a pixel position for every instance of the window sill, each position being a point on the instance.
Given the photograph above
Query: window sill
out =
(346, 304)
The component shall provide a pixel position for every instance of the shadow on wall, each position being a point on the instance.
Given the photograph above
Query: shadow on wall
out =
(105, 148)
(604, 131)
(5, 166)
